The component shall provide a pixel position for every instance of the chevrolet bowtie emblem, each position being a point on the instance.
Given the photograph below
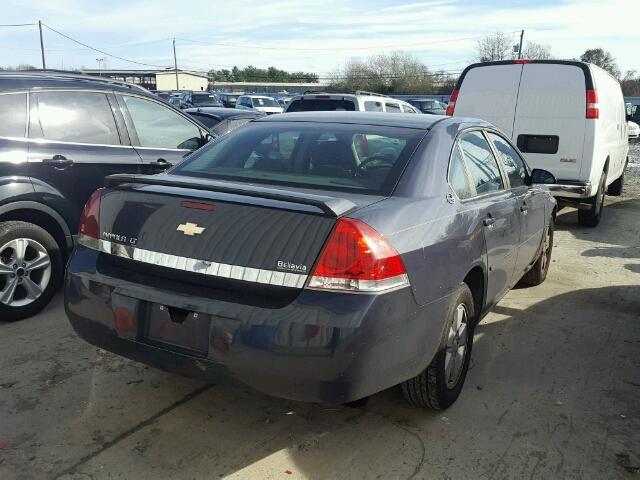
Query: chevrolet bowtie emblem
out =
(190, 229)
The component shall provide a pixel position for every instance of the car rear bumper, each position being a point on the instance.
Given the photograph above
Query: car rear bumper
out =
(320, 347)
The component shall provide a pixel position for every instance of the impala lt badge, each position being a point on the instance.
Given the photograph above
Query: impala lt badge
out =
(190, 229)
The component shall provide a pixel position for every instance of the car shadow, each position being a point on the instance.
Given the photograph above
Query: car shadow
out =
(547, 383)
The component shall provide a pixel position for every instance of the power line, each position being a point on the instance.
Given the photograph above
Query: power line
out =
(102, 51)
(310, 49)
(18, 24)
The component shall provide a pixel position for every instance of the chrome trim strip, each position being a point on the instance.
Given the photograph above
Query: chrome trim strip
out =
(203, 267)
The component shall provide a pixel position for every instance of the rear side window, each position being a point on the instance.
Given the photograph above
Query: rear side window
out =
(81, 117)
(392, 107)
(371, 106)
(408, 109)
(157, 126)
(319, 105)
(458, 175)
(357, 158)
(481, 163)
(511, 161)
(13, 115)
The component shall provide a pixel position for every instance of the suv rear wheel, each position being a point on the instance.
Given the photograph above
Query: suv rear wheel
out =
(30, 269)
(439, 385)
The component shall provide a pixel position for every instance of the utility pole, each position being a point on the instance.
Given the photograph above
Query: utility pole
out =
(520, 47)
(44, 65)
(175, 64)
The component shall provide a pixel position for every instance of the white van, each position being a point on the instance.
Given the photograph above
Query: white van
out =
(566, 117)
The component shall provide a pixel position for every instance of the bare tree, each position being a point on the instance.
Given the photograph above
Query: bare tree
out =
(631, 83)
(395, 72)
(603, 59)
(498, 46)
(537, 51)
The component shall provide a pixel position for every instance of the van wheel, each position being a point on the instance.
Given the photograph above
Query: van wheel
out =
(30, 269)
(538, 272)
(439, 385)
(591, 217)
(615, 189)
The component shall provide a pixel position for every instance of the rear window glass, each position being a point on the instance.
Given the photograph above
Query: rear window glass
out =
(358, 158)
(317, 105)
(264, 102)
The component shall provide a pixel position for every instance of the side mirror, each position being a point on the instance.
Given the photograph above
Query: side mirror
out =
(539, 176)
(629, 117)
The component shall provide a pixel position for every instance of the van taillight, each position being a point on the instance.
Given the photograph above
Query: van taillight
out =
(592, 104)
(356, 258)
(89, 230)
(451, 106)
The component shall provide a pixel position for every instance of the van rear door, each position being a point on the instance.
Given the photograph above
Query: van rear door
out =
(490, 93)
(550, 121)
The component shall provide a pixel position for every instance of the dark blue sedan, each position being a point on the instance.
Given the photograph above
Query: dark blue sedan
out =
(317, 256)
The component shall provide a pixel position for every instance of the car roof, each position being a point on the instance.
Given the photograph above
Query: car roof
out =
(48, 79)
(222, 112)
(417, 121)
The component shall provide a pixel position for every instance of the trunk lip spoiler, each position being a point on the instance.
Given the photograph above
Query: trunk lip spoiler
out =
(330, 206)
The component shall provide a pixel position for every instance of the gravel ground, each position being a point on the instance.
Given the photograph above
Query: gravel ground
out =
(632, 176)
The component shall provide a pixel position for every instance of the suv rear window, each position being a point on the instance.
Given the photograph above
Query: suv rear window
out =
(357, 158)
(318, 105)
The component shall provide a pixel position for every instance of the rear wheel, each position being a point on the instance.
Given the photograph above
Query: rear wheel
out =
(439, 385)
(591, 217)
(538, 272)
(615, 189)
(30, 269)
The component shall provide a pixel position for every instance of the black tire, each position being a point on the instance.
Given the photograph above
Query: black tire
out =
(591, 217)
(616, 188)
(538, 272)
(430, 388)
(13, 230)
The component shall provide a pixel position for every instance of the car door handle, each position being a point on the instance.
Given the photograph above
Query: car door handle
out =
(489, 222)
(161, 163)
(58, 161)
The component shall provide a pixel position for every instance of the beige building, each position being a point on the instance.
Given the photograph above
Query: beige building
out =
(156, 79)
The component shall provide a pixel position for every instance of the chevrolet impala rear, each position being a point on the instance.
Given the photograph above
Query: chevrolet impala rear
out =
(282, 257)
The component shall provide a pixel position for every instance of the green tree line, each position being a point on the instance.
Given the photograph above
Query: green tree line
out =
(254, 74)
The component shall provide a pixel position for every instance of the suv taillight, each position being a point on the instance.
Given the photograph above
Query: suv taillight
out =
(592, 104)
(356, 258)
(89, 229)
(451, 106)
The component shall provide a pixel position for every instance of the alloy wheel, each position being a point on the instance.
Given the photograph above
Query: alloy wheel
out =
(456, 348)
(25, 272)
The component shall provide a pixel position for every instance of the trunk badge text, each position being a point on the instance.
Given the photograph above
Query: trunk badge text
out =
(190, 229)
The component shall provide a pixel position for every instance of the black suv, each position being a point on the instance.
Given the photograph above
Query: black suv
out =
(60, 135)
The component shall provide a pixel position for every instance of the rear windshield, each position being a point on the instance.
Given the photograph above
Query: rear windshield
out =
(354, 158)
(318, 105)
(264, 102)
(202, 98)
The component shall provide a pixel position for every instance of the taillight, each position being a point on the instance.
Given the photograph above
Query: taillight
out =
(523, 60)
(89, 230)
(592, 104)
(356, 258)
(451, 106)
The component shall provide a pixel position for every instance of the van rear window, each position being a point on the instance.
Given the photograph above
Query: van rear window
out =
(321, 105)
(538, 143)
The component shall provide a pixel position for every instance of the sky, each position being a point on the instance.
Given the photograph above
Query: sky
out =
(305, 35)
